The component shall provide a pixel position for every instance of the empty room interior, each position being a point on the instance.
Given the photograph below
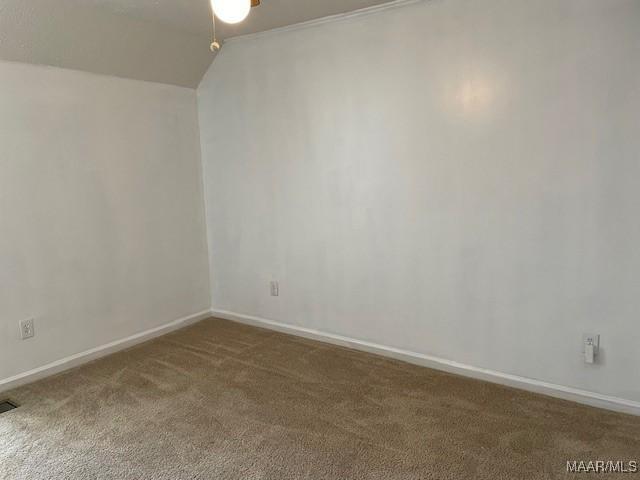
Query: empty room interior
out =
(319, 239)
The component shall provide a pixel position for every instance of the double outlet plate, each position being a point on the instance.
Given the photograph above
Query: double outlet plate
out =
(27, 328)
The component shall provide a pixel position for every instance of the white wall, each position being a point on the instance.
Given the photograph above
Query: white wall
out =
(452, 177)
(102, 230)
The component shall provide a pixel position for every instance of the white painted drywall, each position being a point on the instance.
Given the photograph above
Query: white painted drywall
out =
(452, 177)
(102, 231)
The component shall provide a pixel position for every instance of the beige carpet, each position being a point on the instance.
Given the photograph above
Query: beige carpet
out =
(220, 400)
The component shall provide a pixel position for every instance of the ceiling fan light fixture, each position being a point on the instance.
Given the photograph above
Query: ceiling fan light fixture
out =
(231, 11)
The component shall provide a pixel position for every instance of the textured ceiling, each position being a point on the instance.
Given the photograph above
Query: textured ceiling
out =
(163, 41)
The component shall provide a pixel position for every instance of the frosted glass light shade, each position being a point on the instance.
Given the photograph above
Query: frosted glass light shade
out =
(231, 11)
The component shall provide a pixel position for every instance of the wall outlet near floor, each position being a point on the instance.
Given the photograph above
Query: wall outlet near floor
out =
(27, 329)
(275, 289)
(590, 347)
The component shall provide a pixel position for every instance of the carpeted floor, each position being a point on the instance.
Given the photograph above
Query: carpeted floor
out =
(220, 400)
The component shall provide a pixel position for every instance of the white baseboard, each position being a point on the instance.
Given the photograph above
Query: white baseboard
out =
(98, 352)
(558, 391)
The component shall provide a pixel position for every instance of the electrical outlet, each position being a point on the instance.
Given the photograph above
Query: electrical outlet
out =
(591, 339)
(275, 289)
(590, 347)
(27, 329)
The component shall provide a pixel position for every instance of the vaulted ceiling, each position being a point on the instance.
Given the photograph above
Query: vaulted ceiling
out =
(163, 41)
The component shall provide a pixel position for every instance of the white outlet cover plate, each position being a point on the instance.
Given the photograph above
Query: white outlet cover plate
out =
(27, 329)
(596, 341)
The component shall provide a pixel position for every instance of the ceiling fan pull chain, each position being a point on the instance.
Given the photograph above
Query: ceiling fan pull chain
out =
(215, 45)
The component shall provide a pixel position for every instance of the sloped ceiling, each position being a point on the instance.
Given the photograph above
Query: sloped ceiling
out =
(164, 41)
